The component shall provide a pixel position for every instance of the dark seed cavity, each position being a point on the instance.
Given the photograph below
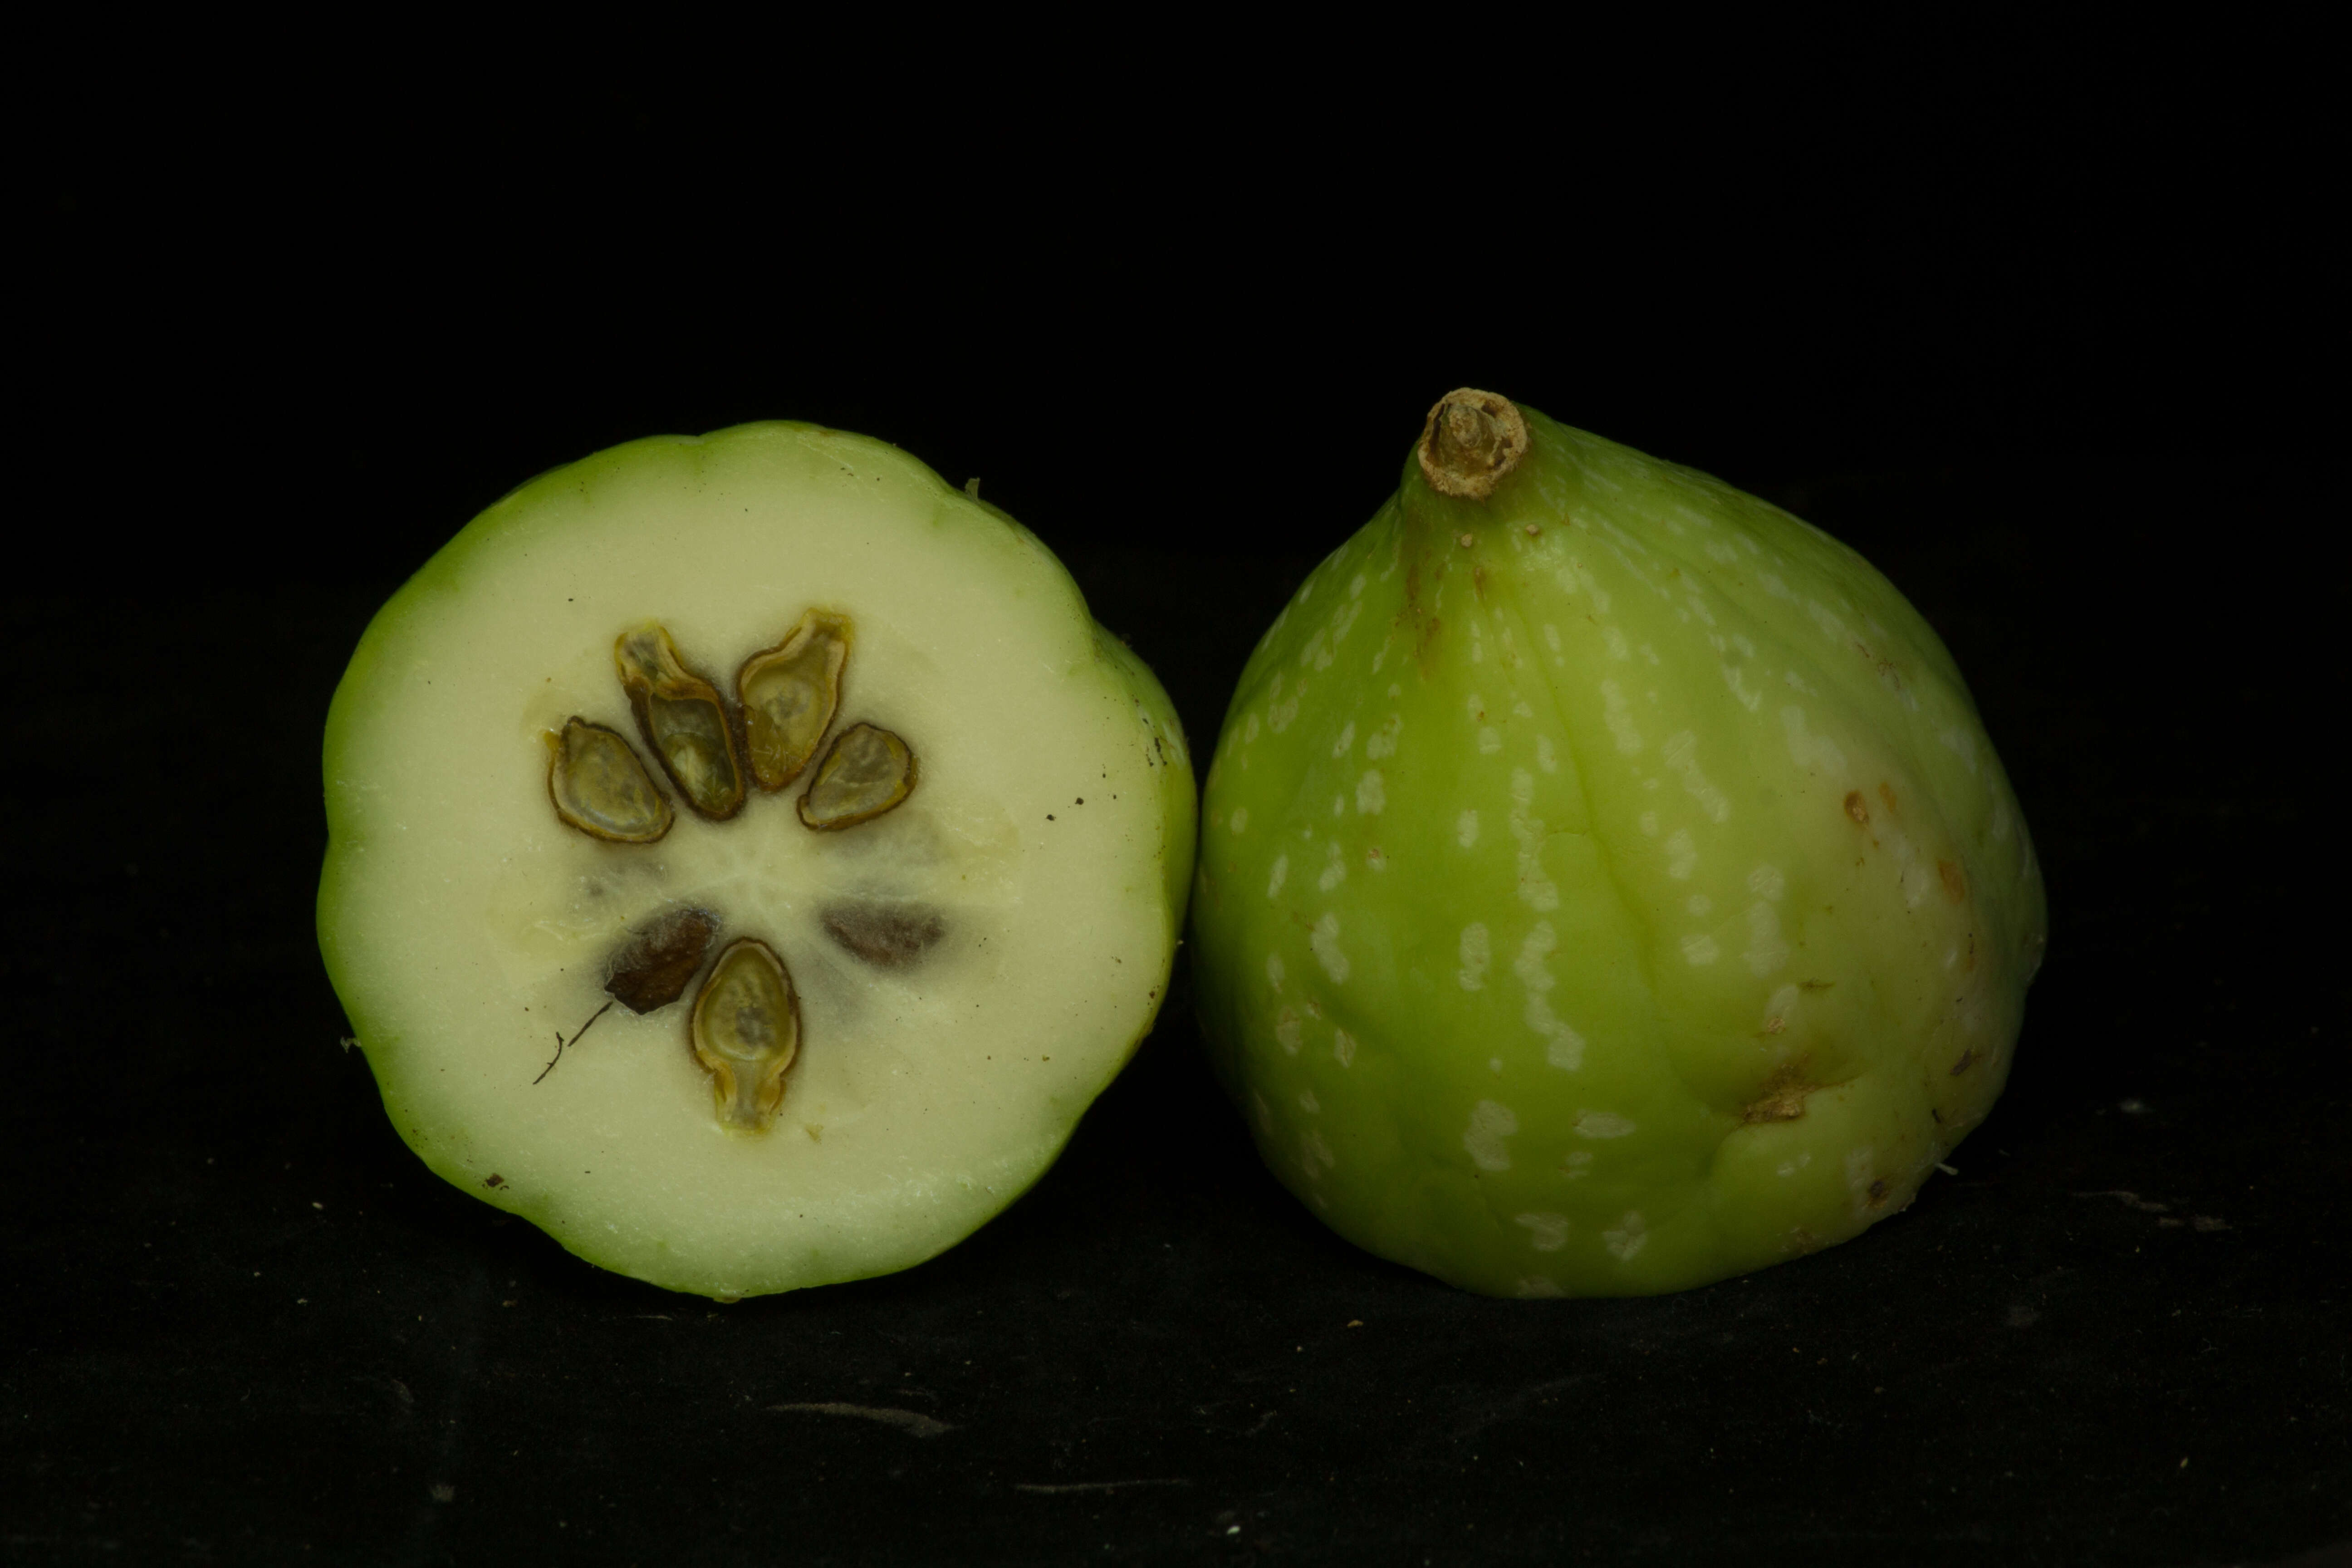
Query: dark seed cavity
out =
(790, 694)
(888, 936)
(682, 720)
(660, 960)
(599, 787)
(745, 1031)
(866, 773)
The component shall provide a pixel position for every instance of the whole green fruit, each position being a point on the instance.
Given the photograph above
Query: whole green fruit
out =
(1606, 885)
(747, 858)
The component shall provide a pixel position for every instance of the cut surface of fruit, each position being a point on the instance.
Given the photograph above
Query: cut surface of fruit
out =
(835, 1027)
(1606, 883)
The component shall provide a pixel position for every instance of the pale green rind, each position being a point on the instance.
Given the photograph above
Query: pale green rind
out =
(909, 1211)
(1528, 890)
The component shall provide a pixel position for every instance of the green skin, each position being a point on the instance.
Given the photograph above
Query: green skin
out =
(1610, 908)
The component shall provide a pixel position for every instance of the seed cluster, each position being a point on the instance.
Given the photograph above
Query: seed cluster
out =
(745, 1024)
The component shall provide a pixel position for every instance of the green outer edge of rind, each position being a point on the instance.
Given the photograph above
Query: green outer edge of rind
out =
(440, 574)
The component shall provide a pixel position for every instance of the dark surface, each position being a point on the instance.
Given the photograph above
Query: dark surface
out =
(2021, 353)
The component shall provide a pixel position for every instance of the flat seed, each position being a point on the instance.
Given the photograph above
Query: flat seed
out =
(866, 773)
(653, 969)
(599, 787)
(888, 936)
(790, 694)
(746, 1030)
(683, 718)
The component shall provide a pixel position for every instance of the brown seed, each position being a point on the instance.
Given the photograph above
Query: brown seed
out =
(888, 936)
(682, 720)
(599, 787)
(655, 969)
(745, 1031)
(866, 772)
(790, 694)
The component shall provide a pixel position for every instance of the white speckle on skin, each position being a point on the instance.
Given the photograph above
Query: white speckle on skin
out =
(1383, 742)
(1767, 882)
(1577, 1164)
(1544, 757)
(1700, 950)
(1281, 872)
(1777, 1011)
(1545, 1232)
(1551, 637)
(1274, 971)
(1325, 940)
(1285, 1031)
(1649, 821)
(1477, 952)
(1308, 1103)
(1627, 1238)
(1347, 739)
(1736, 677)
(1615, 641)
(1240, 818)
(1698, 904)
(1563, 1046)
(1494, 1064)
(1490, 1123)
(1537, 890)
(1536, 1288)
(1315, 1151)
(1465, 828)
(1356, 587)
(1371, 794)
(1490, 740)
(1619, 718)
(1791, 1167)
(1339, 806)
(1767, 949)
(1343, 1047)
(1265, 1112)
(1477, 707)
(1601, 1125)
(1335, 871)
(1374, 858)
(1682, 855)
(1521, 708)
(1249, 731)
(1681, 751)
(1809, 750)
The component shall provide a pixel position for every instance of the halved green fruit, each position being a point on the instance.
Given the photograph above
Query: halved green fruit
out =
(618, 973)
(1607, 885)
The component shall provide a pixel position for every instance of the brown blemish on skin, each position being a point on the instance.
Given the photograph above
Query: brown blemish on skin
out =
(1968, 1059)
(1878, 1193)
(1815, 984)
(1857, 808)
(1478, 582)
(1956, 883)
(1886, 793)
(494, 1180)
(1783, 1098)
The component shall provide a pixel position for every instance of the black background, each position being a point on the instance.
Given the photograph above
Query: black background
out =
(2034, 323)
